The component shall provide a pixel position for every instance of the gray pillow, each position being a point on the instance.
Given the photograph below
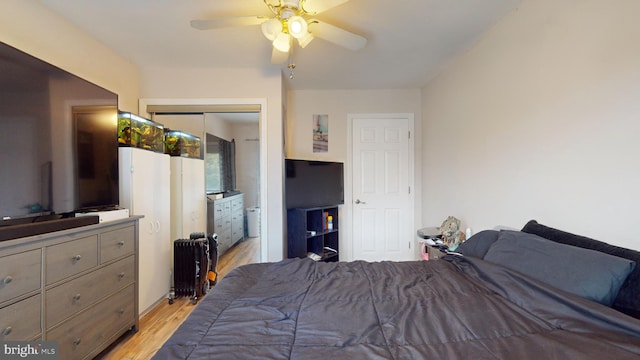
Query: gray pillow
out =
(628, 299)
(478, 244)
(587, 273)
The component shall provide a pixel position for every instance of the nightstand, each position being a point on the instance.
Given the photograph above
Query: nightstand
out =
(426, 250)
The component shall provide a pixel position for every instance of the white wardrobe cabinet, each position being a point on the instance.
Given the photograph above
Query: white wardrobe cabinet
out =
(145, 190)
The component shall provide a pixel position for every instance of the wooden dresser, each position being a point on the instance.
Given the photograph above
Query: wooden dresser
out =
(77, 287)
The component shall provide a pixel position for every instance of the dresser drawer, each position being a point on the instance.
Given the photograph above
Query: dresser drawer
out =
(237, 204)
(82, 334)
(71, 297)
(70, 258)
(21, 321)
(19, 274)
(223, 224)
(117, 243)
(237, 226)
(221, 208)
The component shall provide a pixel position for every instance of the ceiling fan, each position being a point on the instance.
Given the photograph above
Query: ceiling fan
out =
(291, 21)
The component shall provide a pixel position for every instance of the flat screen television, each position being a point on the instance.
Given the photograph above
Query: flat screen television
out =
(58, 141)
(310, 183)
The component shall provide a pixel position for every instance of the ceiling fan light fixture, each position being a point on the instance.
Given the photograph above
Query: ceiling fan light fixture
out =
(294, 4)
(290, 20)
(282, 42)
(271, 29)
(297, 26)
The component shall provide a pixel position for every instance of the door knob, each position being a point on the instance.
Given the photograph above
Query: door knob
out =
(360, 202)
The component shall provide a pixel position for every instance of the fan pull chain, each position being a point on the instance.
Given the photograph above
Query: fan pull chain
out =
(291, 66)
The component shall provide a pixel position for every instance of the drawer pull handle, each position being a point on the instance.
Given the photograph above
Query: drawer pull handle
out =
(76, 298)
(77, 341)
(121, 243)
(7, 331)
(77, 258)
(121, 275)
(121, 312)
(7, 279)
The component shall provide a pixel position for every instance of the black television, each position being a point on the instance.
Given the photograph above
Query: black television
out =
(58, 141)
(310, 183)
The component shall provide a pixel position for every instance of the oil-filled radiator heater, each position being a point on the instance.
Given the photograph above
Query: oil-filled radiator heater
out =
(195, 262)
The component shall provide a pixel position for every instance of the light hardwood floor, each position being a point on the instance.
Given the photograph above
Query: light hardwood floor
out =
(157, 325)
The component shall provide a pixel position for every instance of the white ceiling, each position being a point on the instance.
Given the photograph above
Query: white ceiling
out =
(409, 41)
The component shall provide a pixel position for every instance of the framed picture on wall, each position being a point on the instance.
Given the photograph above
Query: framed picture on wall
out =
(320, 133)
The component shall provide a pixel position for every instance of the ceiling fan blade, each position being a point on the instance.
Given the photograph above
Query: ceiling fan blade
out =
(225, 22)
(278, 57)
(317, 6)
(336, 35)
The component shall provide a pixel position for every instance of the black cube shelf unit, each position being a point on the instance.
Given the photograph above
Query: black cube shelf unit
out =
(308, 231)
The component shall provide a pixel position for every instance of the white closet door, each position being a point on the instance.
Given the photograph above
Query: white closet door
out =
(188, 198)
(194, 195)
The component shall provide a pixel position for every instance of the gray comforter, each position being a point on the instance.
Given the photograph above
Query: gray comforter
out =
(454, 308)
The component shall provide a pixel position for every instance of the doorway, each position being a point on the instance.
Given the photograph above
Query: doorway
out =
(246, 112)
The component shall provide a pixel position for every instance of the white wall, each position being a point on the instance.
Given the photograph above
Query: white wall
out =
(189, 123)
(36, 30)
(215, 125)
(236, 86)
(303, 104)
(540, 121)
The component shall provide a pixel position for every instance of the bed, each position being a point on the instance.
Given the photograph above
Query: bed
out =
(539, 293)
